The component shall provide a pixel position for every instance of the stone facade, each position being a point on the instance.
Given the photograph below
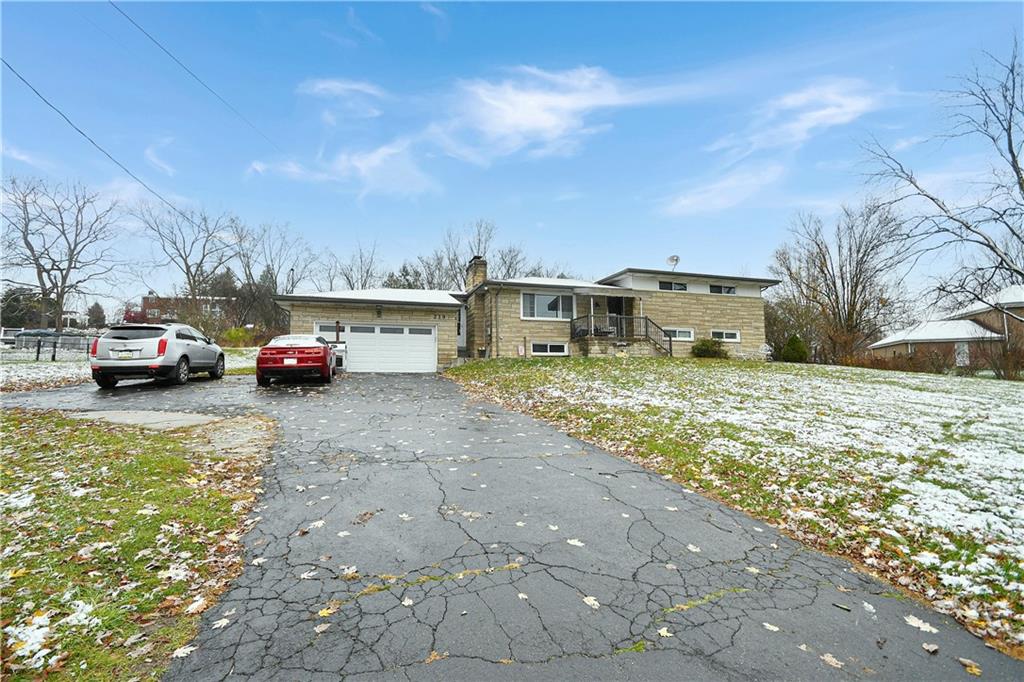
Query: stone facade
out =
(704, 312)
(495, 324)
(597, 346)
(306, 314)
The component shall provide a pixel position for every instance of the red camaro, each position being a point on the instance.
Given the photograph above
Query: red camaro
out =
(294, 356)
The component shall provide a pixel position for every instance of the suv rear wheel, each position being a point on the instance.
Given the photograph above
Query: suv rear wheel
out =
(181, 372)
(218, 369)
(105, 382)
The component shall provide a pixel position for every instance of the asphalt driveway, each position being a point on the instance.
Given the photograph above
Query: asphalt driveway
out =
(409, 532)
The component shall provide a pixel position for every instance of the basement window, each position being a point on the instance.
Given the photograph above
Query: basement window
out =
(546, 348)
(685, 334)
(727, 335)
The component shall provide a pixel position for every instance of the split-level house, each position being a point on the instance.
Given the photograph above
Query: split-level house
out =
(634, 311)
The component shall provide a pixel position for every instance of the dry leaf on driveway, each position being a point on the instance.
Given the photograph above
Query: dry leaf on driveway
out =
(665, 633)
(916, 622)
(218, 624)
(575, 542)
(182, 652)
(832, 661)
(592, 602)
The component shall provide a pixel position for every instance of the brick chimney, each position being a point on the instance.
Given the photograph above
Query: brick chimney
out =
(476, 272)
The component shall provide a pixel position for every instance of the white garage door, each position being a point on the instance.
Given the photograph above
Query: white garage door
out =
(387, 347)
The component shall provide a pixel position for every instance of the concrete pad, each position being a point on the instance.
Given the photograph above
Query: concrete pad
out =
(158, 421)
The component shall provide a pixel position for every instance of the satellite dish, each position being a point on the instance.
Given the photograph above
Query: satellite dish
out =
(673, 261)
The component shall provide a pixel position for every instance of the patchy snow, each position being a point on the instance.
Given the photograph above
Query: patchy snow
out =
(934, 465)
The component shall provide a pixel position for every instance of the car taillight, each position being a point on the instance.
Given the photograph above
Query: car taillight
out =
(95, 347)
(161, 347)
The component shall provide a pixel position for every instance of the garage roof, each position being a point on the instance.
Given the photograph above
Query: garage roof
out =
(413, 297)
(936, 331)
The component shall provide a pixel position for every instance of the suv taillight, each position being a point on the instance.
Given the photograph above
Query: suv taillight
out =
(161, 347)
(95, 347)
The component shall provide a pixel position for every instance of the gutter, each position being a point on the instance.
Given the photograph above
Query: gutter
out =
(366, 301)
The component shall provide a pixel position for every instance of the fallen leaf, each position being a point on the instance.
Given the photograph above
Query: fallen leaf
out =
(344, 534)
(752, 569)
(916, 622)
(434, 656)
(182, 652)
(671, 508)
(930, 648)
(970, 666)
(317, 524)
(832, 661)
(770, 627)
(592, 602)
(308, 575)
(520, 523)
(550, 527)
(693, 548)
(218, 624)
(198, 605)
(259, 561)
(665, 633)
(523, 596)
(320, 628)
(575, 542)
(407, 601)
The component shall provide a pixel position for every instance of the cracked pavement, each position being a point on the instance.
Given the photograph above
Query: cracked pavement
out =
(457, 515)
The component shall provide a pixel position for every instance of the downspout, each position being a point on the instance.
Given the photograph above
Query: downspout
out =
(497, 329)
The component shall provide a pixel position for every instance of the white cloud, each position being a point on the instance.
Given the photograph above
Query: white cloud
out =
(908, 142)
(441, 23)
(433, 9)
(155, 161)
(542, 112)
(388, 170)
(731, 189)
(350, 98)
(359, 27)
(338, 87)
(9, 151)
(792, 119)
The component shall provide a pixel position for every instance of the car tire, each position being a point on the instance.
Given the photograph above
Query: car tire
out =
(218, 369)
(262, 380)
(106, 382)
(327, 379)
(181, 372)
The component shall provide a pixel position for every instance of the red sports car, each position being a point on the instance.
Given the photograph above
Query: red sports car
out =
(295, 356)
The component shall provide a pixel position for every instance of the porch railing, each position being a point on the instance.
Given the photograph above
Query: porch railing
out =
(621, 327)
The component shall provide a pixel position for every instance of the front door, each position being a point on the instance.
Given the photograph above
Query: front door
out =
(616, 305)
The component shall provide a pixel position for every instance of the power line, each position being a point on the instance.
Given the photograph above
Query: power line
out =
(93, 142)
(199, 80)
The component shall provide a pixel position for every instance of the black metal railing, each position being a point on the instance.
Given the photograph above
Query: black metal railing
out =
(621, 327)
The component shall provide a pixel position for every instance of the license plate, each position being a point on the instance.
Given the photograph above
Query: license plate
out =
(124, 355)
(291, 361)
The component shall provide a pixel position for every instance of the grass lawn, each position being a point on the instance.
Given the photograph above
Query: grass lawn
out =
(918, 477)
(115, 539)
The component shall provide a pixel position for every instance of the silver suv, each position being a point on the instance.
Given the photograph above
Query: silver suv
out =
(161, 351)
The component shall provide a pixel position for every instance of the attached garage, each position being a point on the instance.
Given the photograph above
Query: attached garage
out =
(385, 330)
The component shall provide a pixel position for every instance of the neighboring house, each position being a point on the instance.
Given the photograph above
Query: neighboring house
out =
(634, 311)
(155, 308)
(963, 337)
(957, 341)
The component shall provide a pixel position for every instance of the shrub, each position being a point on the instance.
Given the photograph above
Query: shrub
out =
(795, 350)
(709, 348)
(238, 337)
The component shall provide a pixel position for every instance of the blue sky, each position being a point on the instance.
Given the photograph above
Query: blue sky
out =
(598, 136)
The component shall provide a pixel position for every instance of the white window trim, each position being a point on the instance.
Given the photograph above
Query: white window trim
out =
(681, 329)
(727, 331)
(549, 292)
(564, 344)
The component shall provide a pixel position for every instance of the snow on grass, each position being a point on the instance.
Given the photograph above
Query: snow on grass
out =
(19, 371)
(920, 477)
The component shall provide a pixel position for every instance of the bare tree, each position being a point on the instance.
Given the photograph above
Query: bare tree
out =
(61, 236)
(194, 242)
(852, 275)
(361, 271)
(985, 233)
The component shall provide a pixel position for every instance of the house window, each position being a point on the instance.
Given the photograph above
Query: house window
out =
(392, 330)
(679, 334)
(545, 348)
(672, 286)
(727, 335)
(154, 313)
(328, 328)
(722, 289)
(425, 331)
(361, 330)
(547, 307)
